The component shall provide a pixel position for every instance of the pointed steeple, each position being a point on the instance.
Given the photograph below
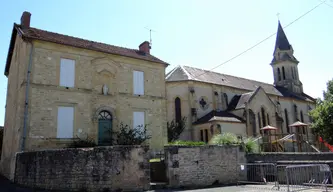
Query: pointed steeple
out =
(281, 39)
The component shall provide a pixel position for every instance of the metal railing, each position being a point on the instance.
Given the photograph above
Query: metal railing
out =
(308, 177)
(272, 177)
(258, 173)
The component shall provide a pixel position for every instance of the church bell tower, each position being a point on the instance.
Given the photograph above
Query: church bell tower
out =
(284, 64)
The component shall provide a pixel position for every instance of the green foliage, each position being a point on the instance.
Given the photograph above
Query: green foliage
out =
(251, 146)
(187, 143)
(175, 129)
(82, 143)
(128, 136)
(322, 115)
(225, 139)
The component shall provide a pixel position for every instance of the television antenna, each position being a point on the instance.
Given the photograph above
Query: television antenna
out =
(150, 30)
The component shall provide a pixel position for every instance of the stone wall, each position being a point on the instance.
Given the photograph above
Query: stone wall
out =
(203, 165)
(92, 169)
(275, 157)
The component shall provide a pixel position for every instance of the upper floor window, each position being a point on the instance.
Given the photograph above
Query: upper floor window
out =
(138, 83)
(279, 74)
(178, 109)
(67, 72)
(283, 73)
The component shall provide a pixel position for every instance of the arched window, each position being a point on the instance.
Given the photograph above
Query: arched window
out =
(259, 121)
(104, 115)
(287, 120)
(295, 113)
(292, 73)
(263, 116)
(279, 74)
(226, 100)
(283, 74)
(178, 110)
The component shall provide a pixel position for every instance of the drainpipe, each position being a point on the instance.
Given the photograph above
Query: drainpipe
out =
(26, 99)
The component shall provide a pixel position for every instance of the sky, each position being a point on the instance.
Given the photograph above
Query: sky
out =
(202, 34)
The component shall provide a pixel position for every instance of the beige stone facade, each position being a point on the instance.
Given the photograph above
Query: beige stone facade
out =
(102, 82)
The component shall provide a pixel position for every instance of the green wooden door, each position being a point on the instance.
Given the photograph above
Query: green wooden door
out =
(104, 131)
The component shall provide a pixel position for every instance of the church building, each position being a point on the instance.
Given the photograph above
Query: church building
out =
(214, 102)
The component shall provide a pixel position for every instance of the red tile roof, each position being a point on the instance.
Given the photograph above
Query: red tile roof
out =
(33, 33)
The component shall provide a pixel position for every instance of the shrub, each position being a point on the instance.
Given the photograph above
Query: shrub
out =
(251, 146)
(175, 129)
(187, 143)
(81, 143)
(225, 139)
(128, 136)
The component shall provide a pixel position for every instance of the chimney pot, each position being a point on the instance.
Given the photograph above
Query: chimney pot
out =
(25, 20)
(145, 47)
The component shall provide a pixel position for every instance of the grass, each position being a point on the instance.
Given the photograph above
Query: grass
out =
(186, 143)
(154, 160)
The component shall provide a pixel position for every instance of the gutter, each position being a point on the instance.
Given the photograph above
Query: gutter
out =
(24, 136)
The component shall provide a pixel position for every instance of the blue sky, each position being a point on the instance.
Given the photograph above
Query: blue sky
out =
(201, 33)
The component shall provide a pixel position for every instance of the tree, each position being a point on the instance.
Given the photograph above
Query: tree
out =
(322, 115)
(175, 129)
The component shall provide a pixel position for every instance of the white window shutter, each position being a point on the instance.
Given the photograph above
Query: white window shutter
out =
(67, 72)
(65, 122)
(138, 82)
(139, 120)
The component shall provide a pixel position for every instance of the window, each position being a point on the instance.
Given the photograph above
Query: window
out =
(287, 120)
(302, 120)
(263, 117)
(283, 74)
(65, 122)
(178, 110)
(295, 113)
(279, 74)
(204, 135)
(268, 119)
(138, 83)
(292, 73)
(67, 72)
(259, 120)
(226, 100)
(139, 120)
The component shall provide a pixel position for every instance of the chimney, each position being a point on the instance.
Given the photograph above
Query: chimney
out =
(25, 20)
(145, 47)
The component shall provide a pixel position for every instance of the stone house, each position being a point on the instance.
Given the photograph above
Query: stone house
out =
(215, 102)
(61, 87)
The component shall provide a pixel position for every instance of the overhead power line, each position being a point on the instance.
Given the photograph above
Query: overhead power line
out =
(255, 45)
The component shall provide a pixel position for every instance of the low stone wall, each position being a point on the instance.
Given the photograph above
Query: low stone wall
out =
(275, 157)
(90, 169)
(203, 165)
